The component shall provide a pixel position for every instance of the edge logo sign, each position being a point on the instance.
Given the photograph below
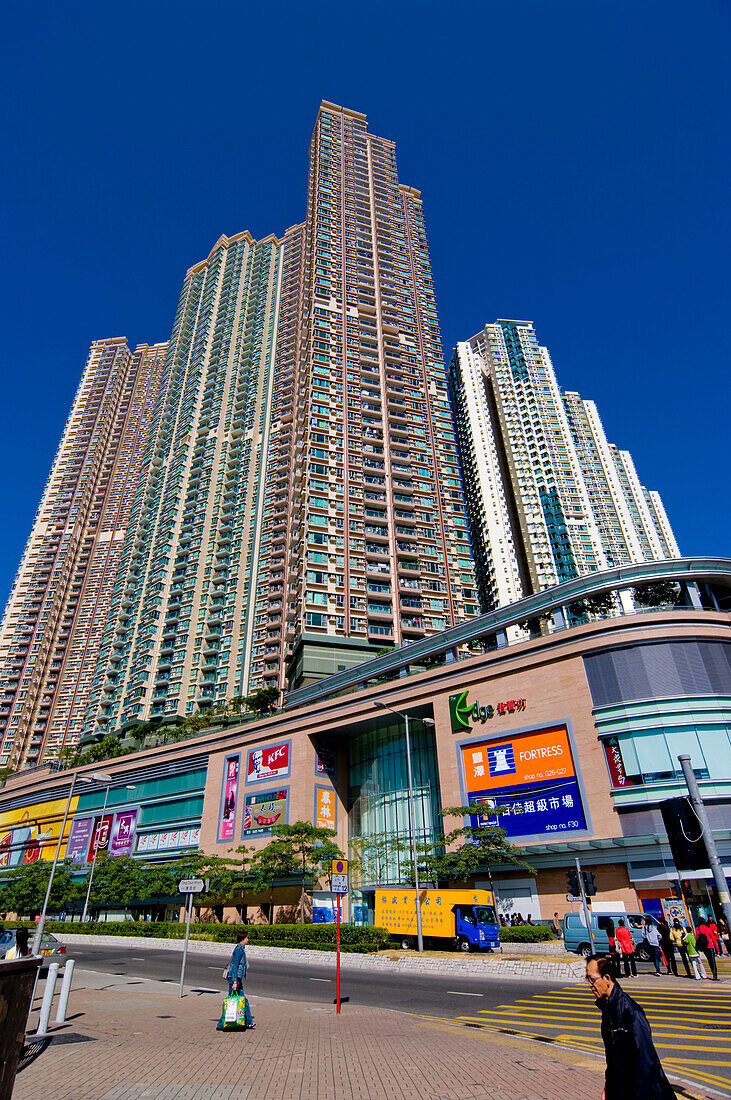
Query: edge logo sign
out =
(462, 712)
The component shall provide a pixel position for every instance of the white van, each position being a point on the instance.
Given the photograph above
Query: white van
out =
(576, 936)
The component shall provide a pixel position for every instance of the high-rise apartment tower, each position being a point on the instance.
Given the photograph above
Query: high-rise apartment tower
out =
(548, 497)
(51, 630)
(301, 505)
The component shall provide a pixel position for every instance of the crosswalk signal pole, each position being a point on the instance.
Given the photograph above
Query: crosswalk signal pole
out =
(585, 904)
(713, 861)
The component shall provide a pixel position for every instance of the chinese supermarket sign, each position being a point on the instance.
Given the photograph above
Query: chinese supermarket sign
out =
(269, 763)
(462, 712)
(325, 812)
(530, 777)
(262, 811)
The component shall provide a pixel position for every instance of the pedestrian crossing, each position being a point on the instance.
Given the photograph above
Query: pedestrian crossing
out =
(691, 1028)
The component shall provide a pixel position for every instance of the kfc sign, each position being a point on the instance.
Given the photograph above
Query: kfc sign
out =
(269, 763)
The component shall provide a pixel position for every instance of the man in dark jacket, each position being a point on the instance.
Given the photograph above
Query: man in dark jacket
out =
(633, 1067)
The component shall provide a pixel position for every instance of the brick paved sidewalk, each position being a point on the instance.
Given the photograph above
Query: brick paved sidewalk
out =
(142, 1041)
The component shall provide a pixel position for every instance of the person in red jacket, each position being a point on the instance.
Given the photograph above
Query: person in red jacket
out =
(707, 942)
(624, 939)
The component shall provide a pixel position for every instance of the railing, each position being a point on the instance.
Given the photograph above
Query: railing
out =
(548, 606)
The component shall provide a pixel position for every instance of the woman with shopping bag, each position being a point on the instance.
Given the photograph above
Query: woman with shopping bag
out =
(236, 1012)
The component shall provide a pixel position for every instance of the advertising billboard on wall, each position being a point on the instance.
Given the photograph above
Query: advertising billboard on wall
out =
(168, 839)
(269, 763)
(30, 833)
(77, 847)
(227, 815)
(100, 835)
(113, 834)
(531, 776)
(325, 808)
(123, 833)
(262, 811)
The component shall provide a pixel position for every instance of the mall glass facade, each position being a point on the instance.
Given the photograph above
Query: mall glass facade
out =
(378, 799)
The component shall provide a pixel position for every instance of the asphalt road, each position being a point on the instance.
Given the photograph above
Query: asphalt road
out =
(433, 994)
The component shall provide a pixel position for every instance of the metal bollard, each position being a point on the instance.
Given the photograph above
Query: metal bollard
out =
(63, 1000)
(47, 999)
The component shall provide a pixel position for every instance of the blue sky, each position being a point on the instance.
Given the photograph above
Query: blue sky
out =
(573, 159)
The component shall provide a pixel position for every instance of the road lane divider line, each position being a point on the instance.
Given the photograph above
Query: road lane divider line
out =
(461, 993)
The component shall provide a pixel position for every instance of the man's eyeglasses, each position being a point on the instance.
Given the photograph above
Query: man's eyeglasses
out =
(593, 981)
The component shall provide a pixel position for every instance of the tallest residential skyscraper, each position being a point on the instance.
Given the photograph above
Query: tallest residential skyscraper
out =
(300, 504)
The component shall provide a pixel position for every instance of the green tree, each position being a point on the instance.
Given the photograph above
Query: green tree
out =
(482, 845)
(263, 701)
(656, 594)
(23, 888)
(300, 850)
(237, 704)
(159, 881)
(375, 857)
(118, 880)
(430, 856)
(275, 861)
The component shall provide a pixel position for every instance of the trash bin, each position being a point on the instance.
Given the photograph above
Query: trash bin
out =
(17, 981)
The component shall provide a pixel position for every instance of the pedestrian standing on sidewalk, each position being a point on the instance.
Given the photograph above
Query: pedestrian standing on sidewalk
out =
(652, 939)
(633, 1067)
(677, 935)
(723, 935)
(624, 938)
(715, 935)
(668, 948)
(695, 959)
(557, 929)
(707, 943)
(20, 947)
(235, 973)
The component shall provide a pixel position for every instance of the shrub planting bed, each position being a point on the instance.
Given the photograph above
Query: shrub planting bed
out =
(314, 937)
(526, 933)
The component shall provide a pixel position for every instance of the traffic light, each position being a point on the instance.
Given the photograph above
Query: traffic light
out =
(572, 882)
(677, 892)
(589, 884)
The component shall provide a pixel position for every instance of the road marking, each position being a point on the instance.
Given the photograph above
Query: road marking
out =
(460, 993)
(215, 968)
(136, 959)
(320, 979)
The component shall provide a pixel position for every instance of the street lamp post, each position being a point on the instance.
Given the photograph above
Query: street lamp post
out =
(412, 814)
(130, 787)
(42, 919)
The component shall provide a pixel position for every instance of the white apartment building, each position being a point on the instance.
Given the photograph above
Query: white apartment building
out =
(548, 497)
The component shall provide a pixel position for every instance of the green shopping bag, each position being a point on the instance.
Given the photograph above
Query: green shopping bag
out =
(234, 1013)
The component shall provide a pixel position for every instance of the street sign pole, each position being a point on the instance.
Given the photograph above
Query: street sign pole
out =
(339, 886)
(188, 886)
(185, 949)
(337, 960)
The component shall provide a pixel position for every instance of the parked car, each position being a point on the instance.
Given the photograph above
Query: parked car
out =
(49, 944)
(576, 936)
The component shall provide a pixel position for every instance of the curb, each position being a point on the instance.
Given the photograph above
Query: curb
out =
(487, 967)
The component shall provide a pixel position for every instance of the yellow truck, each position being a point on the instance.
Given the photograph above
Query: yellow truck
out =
(463, 919)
